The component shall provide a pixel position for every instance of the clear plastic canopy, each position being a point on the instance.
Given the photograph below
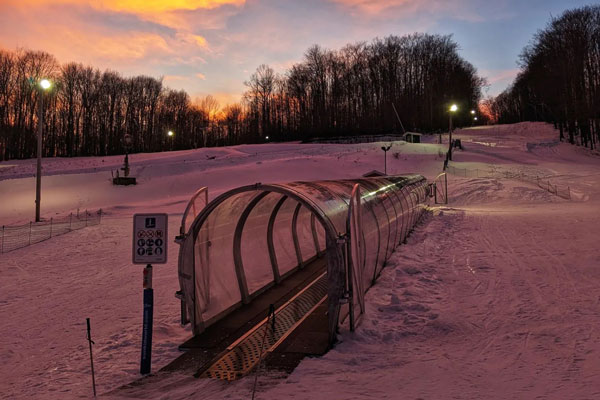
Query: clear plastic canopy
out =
(250, 238)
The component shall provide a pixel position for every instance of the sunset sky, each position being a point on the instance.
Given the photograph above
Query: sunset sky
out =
(212, 46)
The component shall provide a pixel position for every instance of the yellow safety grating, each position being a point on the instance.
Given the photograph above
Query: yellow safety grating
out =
(245, 354)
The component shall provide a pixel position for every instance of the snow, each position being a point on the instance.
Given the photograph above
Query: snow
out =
(494, 296)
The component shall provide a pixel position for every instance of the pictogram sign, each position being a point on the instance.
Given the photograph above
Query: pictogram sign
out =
(149, 233)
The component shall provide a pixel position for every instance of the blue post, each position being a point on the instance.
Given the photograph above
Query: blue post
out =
(146, 361)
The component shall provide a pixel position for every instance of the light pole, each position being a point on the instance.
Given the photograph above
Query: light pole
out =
(127, 142)
(44, 85)
(170, 135)
(385, 150)
(453, 109)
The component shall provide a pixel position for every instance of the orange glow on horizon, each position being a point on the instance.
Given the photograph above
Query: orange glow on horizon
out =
(485, 110)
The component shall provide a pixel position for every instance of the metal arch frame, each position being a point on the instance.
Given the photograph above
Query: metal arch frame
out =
(295, 235)
(313, 228)
(289, 192)
(369, 185)
(393, 240)
(398, 216)
(340, 259)
(379, 201)
(179, 240)
(370, 206)
(270, 243)
(407, 218)
(331, 236)
(415, 201)
(405, 211)
(350, 262)
(382, 202)
(237, 246)
(190, 204)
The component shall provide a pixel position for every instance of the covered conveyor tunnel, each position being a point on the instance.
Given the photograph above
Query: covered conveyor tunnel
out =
(332, 237)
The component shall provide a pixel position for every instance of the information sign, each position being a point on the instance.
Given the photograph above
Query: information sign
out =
(150, 238)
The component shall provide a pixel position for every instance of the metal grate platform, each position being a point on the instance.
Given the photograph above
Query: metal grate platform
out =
(244, 354)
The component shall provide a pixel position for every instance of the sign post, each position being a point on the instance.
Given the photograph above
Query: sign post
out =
(149, 247)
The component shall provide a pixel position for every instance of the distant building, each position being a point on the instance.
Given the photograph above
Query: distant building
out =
(412, 137)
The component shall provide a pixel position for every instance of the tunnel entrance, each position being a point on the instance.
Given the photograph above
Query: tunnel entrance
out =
(300, 248)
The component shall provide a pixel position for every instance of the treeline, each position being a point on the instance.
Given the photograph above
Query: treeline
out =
(560, 79)
(354, 90)
(330, 93)
(88, 112)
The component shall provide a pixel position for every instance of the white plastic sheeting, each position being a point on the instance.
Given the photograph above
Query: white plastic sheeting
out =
(252, 237)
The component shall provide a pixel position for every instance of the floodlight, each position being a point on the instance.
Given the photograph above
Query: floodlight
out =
(45, 84)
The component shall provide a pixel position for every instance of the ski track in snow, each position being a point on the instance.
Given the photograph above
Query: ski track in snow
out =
(494, 296)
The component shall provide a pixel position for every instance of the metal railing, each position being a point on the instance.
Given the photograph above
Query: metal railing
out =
(14, 237)
(542, 182)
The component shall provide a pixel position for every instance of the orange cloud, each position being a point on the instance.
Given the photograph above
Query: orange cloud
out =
(169, 13)
(135, 6)
(196, 40)
(376, 6)
(403, 8)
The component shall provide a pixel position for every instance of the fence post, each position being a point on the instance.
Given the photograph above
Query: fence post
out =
(99, 216)
(2, 246)
(30, 232)
(70, 220)
(85, 217)
(569, 189)
(50, 227)
(446, 187)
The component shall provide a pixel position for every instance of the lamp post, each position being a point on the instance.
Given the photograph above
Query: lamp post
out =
(385, 150)
(170, 134)
(127, 143)
(453, 109)
(44, 85)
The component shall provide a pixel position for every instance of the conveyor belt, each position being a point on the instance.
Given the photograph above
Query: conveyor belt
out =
(246, 353)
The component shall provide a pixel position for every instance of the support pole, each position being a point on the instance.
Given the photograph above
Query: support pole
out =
(450, 139)
(385, 150)
(89, 338)
(38, 176)
(146, 361)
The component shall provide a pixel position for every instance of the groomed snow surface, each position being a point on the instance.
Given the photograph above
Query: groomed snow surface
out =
(495, 296)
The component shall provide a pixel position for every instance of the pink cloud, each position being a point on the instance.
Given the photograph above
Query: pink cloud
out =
(407, 8)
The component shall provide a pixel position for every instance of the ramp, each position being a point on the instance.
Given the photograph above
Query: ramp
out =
(242, 356)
